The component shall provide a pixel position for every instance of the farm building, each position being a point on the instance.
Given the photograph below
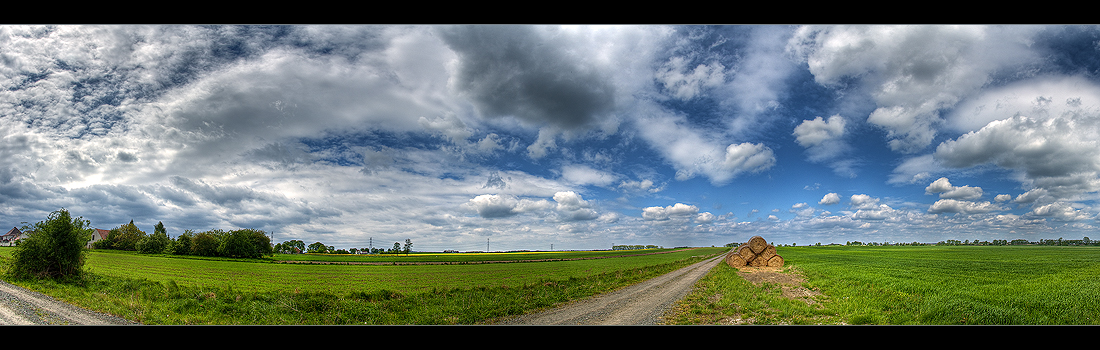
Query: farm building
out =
(9, 238)
(98, 235)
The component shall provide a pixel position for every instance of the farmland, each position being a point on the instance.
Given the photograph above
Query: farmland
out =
(170, 290)
(1004, 285)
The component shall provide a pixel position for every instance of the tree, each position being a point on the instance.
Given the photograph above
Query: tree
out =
(317, 247)
(155, 243)
(182, 244)
(244, 243)
(204, 244)
(408, 246)
(396, 247)
(126, 237)
(53, 249)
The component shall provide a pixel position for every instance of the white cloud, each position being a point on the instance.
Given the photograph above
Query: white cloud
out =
(584, 175)
(686, 82)
(1061, 211)
(572, 207)
(665, 213)
(962, 207)
(912, 72)
(829, 199)
(705, 218)
(947, 191)
(1003, 198)
(863, 201)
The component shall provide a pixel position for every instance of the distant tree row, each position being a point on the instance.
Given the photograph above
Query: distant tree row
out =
(297, 247)
(242, 243)
(633, 247)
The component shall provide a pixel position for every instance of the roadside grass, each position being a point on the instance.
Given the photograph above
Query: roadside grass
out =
(149, 294)
(724, 298)
(917, 285)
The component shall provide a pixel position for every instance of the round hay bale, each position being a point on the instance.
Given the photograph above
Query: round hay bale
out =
(765, 255)
(735, 260)
(758, 263)
(775, 261)
(757, 244)
(746, 253)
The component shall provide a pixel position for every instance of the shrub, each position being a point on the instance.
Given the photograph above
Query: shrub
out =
(182, 244)
(155, 243)
(245, 243)
(126, 237)
(204, 244)
(53, 249)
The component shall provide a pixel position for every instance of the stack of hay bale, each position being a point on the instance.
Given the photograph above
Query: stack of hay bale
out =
(756, 253)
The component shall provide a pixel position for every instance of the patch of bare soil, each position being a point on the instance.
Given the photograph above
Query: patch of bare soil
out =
(788, 280)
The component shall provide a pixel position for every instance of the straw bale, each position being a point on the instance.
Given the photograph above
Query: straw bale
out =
(746, 252)
(775, 261)
(757, 243)
(735, 260)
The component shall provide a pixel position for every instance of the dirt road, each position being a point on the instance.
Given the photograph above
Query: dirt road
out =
(640, 304)
(19, 306)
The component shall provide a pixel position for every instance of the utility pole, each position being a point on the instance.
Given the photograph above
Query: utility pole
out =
(486, 245)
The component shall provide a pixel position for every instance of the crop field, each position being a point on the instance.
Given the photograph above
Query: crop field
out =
(903, 285)
(170, 290)
(461, 257)
(249, 276)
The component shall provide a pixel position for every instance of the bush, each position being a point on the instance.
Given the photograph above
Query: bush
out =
(245, 243)
(155, 243)
(204, 244)
(182, 244)
(126, 237)
(53, 249)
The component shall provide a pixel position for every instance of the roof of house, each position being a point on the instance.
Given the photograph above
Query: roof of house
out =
(103, 233)
(13, 232)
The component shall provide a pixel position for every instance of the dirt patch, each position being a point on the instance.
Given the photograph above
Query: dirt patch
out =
(788, 280)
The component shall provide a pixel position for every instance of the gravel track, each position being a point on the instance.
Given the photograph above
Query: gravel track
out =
(640, 304)
(19, 306)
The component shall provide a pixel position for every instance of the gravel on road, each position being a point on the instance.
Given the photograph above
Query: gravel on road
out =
(19, 306)
(640, 304)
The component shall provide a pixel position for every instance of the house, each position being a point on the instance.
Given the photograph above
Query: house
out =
(9, 238)
(98, 235)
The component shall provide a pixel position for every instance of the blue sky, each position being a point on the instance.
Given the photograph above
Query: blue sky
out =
(571, 137)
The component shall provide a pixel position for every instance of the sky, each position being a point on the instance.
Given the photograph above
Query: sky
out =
(505, 137)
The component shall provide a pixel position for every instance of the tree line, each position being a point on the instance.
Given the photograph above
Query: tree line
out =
(298, 247)
(241, 243)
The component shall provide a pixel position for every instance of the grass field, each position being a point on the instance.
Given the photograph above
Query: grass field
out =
(903, 285)
(169, 290)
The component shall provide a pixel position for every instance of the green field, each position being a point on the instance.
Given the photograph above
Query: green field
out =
(172, 290)
(903, 285)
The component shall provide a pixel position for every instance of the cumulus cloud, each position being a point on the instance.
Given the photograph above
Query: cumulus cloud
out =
(705, 218)
(695, 152)
(829, 199)
(1062, 211)
(823, 139)
(572, 207)
(962, 207)
(1060, 155)
(912, 72)
(665, 213)
(947, 191)
(863, 201)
